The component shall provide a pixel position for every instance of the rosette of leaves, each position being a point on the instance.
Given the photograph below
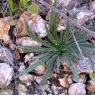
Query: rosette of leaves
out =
(54, 46)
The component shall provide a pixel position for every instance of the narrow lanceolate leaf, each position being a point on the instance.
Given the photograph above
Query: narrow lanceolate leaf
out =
(27, 49)
(34, 36)
(50, 67)
(74, 71)
(31, 34)
(53, 25)
(49, 34)
(42, 59)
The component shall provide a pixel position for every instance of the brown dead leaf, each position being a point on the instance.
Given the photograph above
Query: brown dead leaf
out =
(4, 27)
(36, 24)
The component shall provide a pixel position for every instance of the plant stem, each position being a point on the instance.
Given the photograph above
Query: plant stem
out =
(80, 51)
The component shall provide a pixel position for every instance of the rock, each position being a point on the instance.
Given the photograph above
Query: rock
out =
(22, 89)
(6, 92)
(4, 28)
(37, 25)
(21, 93)
(84, 15)
(62, 94)
(21, 68)
(38, 79)
(28, 57)
(20, 29)
(64, 82)
(62, 24)
(69, 4)
(84, 65)
(92, 6)
(90, 86)
(39, 69)
(70, 79)
(27, 41)
(6, 73)
(77, 89)
(82, 77)
(6, 55)
(26, 79)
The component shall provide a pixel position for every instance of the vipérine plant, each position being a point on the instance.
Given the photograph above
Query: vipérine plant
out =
(55, 46)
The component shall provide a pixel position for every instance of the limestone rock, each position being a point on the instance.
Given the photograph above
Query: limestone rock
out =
(6, 92)
(27, 41)
(6, 73)
(6, 55)
(26, 79)
(77, 89)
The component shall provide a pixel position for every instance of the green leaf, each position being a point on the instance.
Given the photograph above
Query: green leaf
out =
(31, 34)
(11, 5)
(53, 25)
(36, 37)
(74, 71)
(24, 3)
(92, 75)
(27, 49)
(34, 8)
(50, 67)
(42, 59)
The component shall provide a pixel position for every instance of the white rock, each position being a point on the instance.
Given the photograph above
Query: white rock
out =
(77, 89)
(27, 41)
(64, 82)
(84, 65)
(6, 55)
(61, 27)
(21, 68)
(84, 15)
(68, 4)
(62, 94)
(26, 79)
(6, 92)
(28, 57)
(64, 2)
(21, 93)
(37, 25)
(40, 69)
(6, 73)
(90, 86)
(22, 89)
(92, 6)
(62, 24)
(38, 79)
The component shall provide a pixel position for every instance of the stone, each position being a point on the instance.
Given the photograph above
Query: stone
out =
(77, 89)
(27, 41)
(28, 57)
(6, 55)
(6, 92)
(26, 79)
(6, 73)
